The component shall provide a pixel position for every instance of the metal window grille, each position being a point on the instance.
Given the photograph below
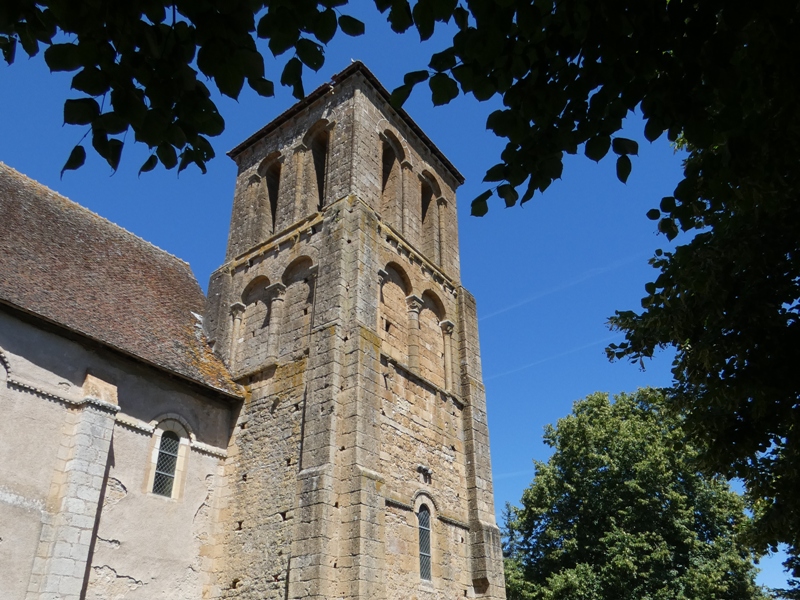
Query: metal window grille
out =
(424, 517)
(166, 463)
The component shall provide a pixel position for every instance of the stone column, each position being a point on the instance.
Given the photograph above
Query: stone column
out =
(447, 333)
(405, 201)
(300, 208)
(63, 556)
(414, 306)
(237, 310)
(277, 294)
(441, 207)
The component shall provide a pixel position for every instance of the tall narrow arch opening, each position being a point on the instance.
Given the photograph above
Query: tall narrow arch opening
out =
(391, 206)
(429, 210)
(270, 173)
(273, 181)
(319, 156)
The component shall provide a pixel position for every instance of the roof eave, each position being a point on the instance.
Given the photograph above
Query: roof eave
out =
(228, 394)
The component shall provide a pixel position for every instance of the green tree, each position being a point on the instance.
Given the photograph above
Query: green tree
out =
(620, 512)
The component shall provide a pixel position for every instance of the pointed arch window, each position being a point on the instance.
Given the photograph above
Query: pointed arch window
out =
(424, 519)
(166, 464)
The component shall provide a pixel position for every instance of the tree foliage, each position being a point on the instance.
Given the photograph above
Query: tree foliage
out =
(139, 64)
(620, 512)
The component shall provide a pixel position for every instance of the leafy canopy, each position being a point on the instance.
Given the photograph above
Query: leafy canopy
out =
(140, 63)
(619, 512)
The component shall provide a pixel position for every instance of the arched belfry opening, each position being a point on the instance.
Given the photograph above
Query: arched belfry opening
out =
(317, 141)
(270, 171)
(430, 193)
(392, 155)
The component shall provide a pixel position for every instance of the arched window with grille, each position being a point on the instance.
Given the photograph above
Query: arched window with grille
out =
(166, 464)
(424, 518)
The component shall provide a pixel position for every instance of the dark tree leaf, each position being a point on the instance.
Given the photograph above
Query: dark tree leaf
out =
(76, 159)
(400, 95)
(326, 25)
(597, 147)
(415, 77)
(654, 214)
(653, 129)
(111, 123)
(400, 16)
(443, 61)
(351, 26)
(508, 194)
(423, 19)
(479, 206)
(81, 112)
(92, 81)
(63, 57)
(114, 153)
(623, 146)
(149, 164)
(310, 53)
(623, 168)
(443, 89)
(167, 155)
(292, 77)
(8, 45)
(263, 87)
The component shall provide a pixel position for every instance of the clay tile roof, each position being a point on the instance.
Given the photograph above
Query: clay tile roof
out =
(62, 262)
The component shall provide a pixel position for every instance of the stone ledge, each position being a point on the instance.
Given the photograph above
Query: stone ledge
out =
(29, 387)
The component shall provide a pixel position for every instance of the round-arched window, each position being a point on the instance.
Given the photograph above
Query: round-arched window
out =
(424, 518)
(166, 464)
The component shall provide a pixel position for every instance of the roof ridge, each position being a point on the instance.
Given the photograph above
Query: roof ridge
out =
(75, 205)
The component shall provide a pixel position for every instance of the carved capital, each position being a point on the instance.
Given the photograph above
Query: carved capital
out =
(441, 201)
(447, 327)
(383, 276)
(237, 308)
(276, 291)
(414, 303)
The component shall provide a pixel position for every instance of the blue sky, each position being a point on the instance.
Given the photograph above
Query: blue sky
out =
(546, 276)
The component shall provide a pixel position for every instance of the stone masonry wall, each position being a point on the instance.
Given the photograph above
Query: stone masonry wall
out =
(357, 412)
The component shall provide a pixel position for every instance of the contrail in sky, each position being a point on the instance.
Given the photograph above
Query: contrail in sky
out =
(553, 357)
(568, 284)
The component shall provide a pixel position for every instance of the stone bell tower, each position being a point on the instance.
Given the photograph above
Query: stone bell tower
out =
(359, 465)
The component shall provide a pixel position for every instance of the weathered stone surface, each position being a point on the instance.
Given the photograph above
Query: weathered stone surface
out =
(362, 370)
(340, 313)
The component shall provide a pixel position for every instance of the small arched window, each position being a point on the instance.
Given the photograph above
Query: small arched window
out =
(166, 464)
(424, 518)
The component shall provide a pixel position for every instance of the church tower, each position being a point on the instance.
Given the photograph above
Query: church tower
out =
(359, 464)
